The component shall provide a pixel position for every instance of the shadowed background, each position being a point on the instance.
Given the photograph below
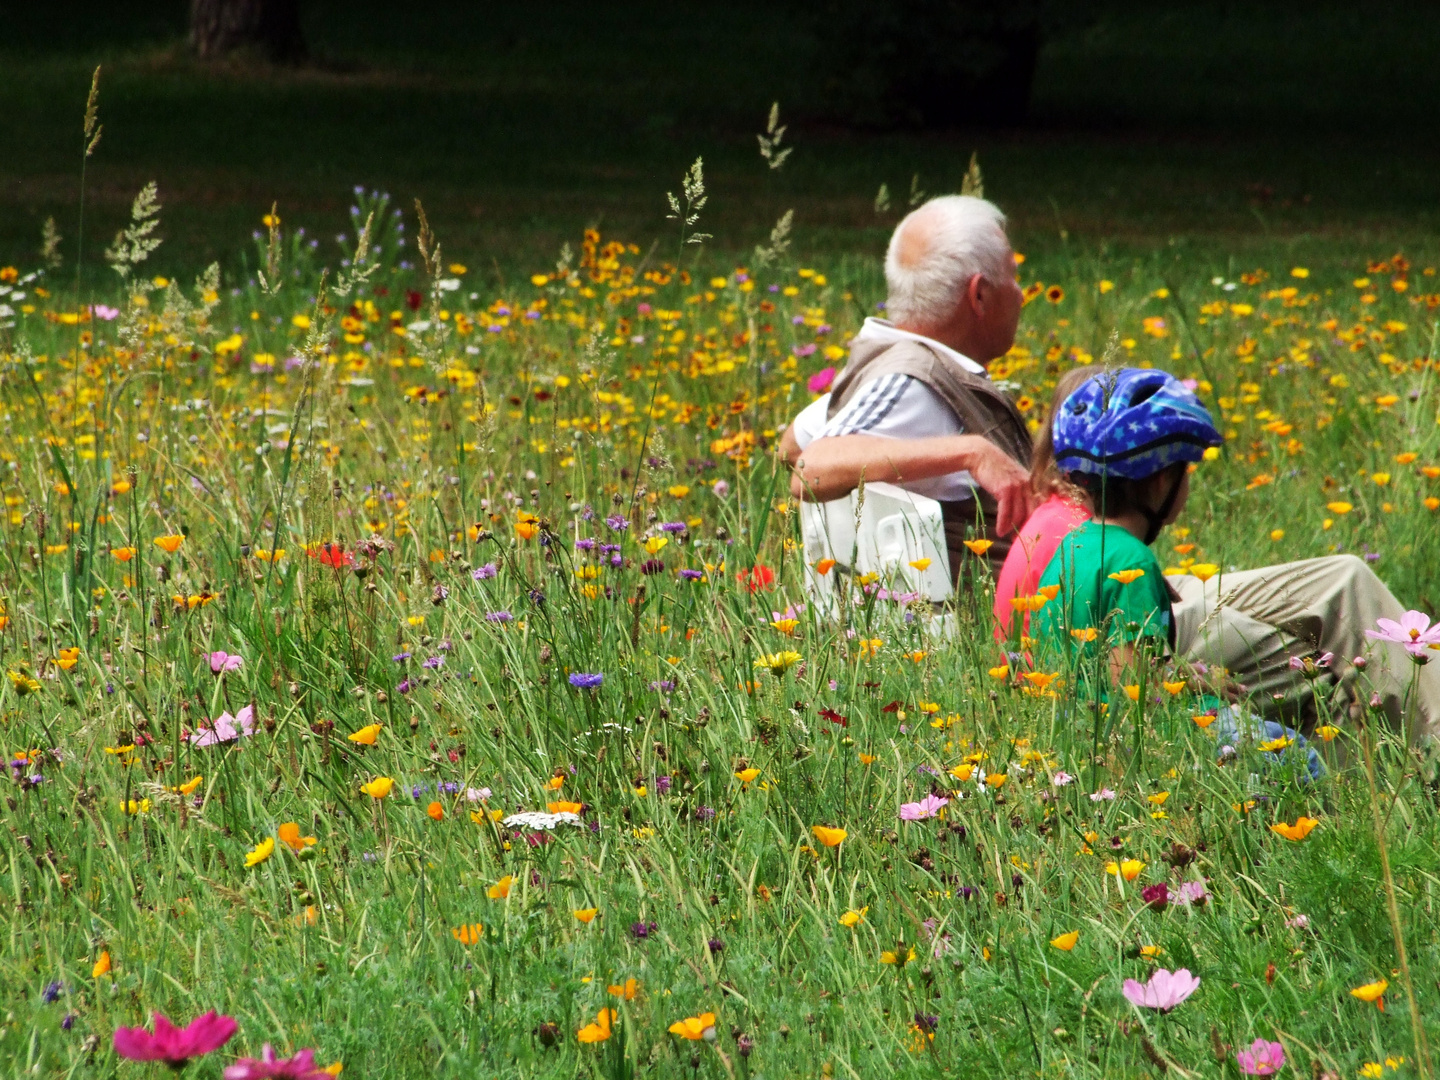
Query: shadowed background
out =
(1219, 127)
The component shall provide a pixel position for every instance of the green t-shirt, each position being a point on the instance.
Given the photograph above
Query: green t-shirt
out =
(1088, 593)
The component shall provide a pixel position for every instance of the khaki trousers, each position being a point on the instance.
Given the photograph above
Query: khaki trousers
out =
(1251, 622)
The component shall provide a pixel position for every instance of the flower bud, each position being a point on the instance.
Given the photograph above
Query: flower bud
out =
(1359, 663)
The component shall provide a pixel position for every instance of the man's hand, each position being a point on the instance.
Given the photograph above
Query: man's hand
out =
(1008, 484)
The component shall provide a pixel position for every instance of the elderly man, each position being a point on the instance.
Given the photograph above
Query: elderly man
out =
(914, 406)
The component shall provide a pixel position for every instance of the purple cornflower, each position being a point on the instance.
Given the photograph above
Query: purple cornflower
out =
(642, 929)
(691, 575)
(662, 785)
(704, 813)
(715, 945)
(673, 526)
(498, 616)
(52, 992)
(536, 597)
(583, 680)
(68, 1022)
(662, 686)
(433, 662)
(449, 787)
(617, 522)
(484, 573)
(585, 544)
(400, 658)
(405, 687)
(609, 549)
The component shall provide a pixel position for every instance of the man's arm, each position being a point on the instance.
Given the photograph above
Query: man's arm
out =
(830, 468)
(789, 447)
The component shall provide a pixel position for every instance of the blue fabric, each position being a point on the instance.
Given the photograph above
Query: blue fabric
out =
(1229, 722)
(1134, 423)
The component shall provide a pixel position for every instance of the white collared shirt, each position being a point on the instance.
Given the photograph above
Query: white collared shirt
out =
(894, 407)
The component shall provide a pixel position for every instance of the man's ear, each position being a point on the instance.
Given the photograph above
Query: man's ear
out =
(977, 294)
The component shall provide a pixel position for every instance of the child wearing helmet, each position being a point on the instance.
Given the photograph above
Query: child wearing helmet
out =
(1126, 439)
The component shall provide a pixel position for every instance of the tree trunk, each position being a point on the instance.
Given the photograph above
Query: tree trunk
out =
(218, 27)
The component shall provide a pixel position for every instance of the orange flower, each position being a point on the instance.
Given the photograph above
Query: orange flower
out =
(979, 547)
(824, 566)
(1125, 577)
(828, 836)
(436, 811)
(695, 1027)
(599, 1031)
(170, 544)
(366, 735)
(1297, 832)
(289, 834)
(627, 990)
(501, 889)
(102, 965)
(564, 807)
(586, 915)
(469, 934)
(124, 554)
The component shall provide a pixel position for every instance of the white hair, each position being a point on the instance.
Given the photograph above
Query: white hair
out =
(936, 250)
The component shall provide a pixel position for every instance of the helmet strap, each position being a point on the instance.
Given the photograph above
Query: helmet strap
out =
(1155, 519)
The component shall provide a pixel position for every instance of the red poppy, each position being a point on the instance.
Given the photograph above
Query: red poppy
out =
(834, 717)
(333, 555)
(756, 578)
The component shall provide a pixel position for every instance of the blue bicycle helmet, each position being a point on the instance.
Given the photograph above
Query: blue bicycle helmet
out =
(1134, 423)
(1131, 424)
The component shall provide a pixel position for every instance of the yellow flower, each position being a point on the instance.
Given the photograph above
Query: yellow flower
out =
(469, 934)
(366, 735)
(1277, 534)
(888, 957)
(828, 836)
(1000, 672)
(1297, 832)
(141, 806)
(1132, 691)
(190, 785)
(778, 663)
(586, 915)
(963, 772)
(867, 759)
(260, 852)
(170, 544)
(379, 787)
(1327, 732)
(1339, 509)
(1065, 942)
(746, 775)
(1129, 869)
(289, 834)
(1158, 798)
(1125, 577)
(679, 491)
(501, 889)
(1204, 720)
(1029, 603)
(852, 917)
(996, 779)
(1204, 571)
(923, 564)
(1372, 1070)
(1150, 952)
(102, 965)
(1087, 633)
(1173, 688)
(656, 544)
(979, 547)
(1371, 992)
(1270, 746)
(599, 1031)
(695, 1027)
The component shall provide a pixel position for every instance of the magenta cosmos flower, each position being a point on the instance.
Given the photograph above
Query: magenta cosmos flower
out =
(927, 807)
(221, 662)
(1413, 631)
(1164, 991)
(1262, 1059)
(268, 1067)
(172, 1045)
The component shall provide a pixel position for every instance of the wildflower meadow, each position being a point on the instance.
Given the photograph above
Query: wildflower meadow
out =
(406, 676)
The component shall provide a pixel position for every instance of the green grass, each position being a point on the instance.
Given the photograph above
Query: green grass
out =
(173, 422)
(236, 460)
(1200, 124)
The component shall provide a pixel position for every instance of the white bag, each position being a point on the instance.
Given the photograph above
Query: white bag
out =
(877, 529)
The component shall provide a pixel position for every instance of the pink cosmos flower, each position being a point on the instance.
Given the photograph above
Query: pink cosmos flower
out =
(1262, 1059)
(268, 1067)
(927, 807)
(101, 311)
(1164, 991)
(1413, 631)
(172, 1045)
(226, 728)
(1192, 892)
(221, 662)
(821, 380)
(1104, 793)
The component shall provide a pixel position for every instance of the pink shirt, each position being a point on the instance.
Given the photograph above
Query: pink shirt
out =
(1031, 553)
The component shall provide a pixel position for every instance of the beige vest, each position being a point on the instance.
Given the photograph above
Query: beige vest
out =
(977, 403)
